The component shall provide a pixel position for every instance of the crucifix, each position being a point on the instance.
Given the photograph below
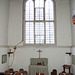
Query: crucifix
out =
(39, 52)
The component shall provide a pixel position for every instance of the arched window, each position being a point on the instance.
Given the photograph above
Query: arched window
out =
(39, 22)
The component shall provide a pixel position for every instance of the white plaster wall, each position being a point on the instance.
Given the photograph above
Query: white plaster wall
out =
(3, 67)
(56, 56)
(4, 12)
(72, 4)
(15, 22)
(63, 23)
(73, 66)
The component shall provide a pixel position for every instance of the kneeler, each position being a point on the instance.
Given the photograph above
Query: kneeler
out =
(39, 73)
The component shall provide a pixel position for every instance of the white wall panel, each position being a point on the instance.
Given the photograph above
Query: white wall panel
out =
(15, 22)
(63, 23)
(4, 17)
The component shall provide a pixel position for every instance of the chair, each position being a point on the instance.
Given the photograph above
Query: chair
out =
(54, 72)
(15, 72)
(18, 73)
(1, 73)
(21, 70)
(7, 72)
(66, 67)
(64, 74)
(25, 73)
(11, 71)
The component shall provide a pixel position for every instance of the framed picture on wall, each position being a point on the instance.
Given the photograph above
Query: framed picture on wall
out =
(74, 19)
(4, 58)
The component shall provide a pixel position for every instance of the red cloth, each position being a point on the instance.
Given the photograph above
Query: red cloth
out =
(39, 73)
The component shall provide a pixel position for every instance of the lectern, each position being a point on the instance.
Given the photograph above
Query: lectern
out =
(38, 65)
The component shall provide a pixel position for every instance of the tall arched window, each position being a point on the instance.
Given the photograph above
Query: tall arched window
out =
(39, 22)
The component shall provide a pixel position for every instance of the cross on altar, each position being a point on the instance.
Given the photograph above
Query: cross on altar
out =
(39, 52)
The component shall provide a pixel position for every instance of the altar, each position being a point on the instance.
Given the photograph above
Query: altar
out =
(38, 65)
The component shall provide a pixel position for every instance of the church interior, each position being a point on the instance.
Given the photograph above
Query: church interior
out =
(37, 57)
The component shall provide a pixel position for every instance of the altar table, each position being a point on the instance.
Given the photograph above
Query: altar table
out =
(33, 69)
(34, 61)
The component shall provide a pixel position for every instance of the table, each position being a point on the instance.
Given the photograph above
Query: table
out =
(66, 67)
(34, 61)
(33, 69)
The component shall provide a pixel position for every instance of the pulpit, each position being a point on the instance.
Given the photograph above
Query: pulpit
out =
(38, 66)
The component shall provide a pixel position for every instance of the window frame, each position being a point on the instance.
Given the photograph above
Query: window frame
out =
(24, 3)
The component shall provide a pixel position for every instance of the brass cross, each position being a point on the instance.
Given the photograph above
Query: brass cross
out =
(39, 52)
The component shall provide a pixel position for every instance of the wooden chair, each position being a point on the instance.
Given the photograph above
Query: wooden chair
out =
(11, 71)
(2, 73)
(18, 73)
(15, 72)
(21, 70)
(54, 72)
(25, 73)
(7, 72)
(64, 74)
(66, 67)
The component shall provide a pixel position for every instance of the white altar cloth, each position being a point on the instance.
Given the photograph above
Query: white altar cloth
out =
(33, 69)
